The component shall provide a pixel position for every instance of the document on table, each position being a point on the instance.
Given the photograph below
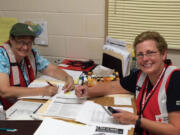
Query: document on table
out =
(122, 101)
(41, 82)
(73, 73)
(58, 127)
(22, 110)
(51, 126)
(64, 108)
(97, 116)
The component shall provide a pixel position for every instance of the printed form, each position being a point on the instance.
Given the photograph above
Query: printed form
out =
(99, 117)
(22, 110)
(64, 107)
(42, 82)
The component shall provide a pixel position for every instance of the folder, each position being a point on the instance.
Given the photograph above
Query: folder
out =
(116, 61)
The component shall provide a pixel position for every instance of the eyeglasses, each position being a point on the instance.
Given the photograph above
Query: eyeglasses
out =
(22, 43)
(148, 54)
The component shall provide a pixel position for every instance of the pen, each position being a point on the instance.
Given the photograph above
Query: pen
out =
(112, 110)
(109, 113)
(49, 83)
(82, 83)
(82, 78)
(12, 112)
(8, 129)
(37, 108)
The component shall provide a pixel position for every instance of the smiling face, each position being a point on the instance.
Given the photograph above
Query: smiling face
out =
(21, 46)
(149, 59)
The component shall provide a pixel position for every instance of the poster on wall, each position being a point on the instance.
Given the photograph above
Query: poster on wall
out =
(5, 26)
(41, 30)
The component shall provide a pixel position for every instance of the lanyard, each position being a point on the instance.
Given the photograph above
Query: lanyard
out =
(145, 98)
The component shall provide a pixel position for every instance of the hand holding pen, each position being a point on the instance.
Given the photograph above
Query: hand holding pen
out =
(82, 83)
(81, 89)
(50, 90)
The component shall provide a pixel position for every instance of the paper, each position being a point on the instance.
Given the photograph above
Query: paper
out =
(42, 82)
(97, 116)
(64, 109)
(73, 73)
(39, 83)
(58, 127)
(5, 27)
(22, 110)
(51, 126)
(101, 71)
(113, 41)
(122, 101)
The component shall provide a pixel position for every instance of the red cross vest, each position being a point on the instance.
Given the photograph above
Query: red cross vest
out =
(156, 108)
(16, 76)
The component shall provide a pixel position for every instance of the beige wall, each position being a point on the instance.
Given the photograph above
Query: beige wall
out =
(75, 27)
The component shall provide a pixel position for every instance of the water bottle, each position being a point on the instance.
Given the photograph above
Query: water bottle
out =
(2, 113)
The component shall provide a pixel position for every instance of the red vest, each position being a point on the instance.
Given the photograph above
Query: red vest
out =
(156, 108)
(16, 76)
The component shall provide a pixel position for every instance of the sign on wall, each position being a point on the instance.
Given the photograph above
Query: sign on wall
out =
(5, 26)
(41, 30)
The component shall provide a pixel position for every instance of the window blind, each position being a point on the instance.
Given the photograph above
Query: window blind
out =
(128, 18)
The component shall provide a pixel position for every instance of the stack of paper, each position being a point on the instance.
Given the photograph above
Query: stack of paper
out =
(88, 113)
(79, 112)
(63, 107)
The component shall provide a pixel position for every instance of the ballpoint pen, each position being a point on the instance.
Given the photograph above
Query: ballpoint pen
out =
(49, 83)
(37, 108)
(82, 83)
(8, 129)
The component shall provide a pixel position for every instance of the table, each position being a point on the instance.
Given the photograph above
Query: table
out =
(28, 127)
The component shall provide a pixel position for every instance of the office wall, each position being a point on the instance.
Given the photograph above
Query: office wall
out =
(174, 55)
(75, 27)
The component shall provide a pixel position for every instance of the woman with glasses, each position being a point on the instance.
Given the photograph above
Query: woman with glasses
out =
(19, 64)
(156, 86)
